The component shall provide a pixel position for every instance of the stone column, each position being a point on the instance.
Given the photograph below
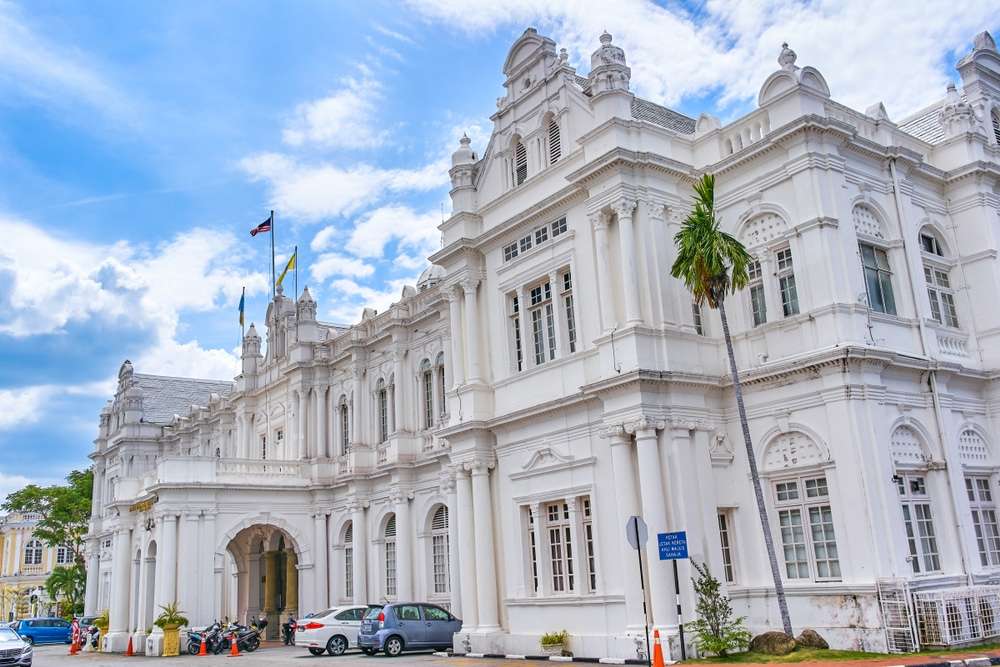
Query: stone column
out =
(93, 567)
(248, 432)
(320, 449)
(578, 548)
(626, 239)
(604, 279)
(121, 568)
(627, 500)
(404, 549)
(457, 349)
(357, 423)
(486, 571)
(166, 562)
(291, 583)
(270, 584)
(438, 407)
(399, 383)
(301, 450)
(454, 582)
(321, 550)
(207, 602)
(661, 585)
(470, 287)
(187, 566)
(466, 550)
(360, 546)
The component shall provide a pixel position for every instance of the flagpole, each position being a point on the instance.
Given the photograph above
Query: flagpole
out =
(296, 255)
(273, 294)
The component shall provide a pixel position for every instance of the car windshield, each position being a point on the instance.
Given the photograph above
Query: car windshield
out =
(373, 613)
(6, 634)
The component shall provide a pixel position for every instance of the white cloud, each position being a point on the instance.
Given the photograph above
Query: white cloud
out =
(11, 483)
(313, 191)
(343, 119)
(333, 264)
(416, 231)
(349, 299)
(394, 34)
(42, 69)
(55, 283)
(867, 51)
(323, 238)
(22, 406)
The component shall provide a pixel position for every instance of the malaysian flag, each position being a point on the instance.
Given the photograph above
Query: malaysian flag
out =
(262, 227)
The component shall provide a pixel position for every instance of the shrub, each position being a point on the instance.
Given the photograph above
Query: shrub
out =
(554, 638)
(717, 630)
(170, 617)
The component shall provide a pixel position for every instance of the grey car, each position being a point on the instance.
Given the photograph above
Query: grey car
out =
(14, 651)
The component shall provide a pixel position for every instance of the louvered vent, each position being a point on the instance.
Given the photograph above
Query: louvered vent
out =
(349, 534)
(390, 527)
(520, 163)
(440, 520)
(555, 145)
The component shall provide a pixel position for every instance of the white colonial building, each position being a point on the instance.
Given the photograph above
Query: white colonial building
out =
(482, 442)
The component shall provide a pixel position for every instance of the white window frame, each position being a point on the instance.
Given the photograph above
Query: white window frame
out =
(982, 505)
(755, 291)
(883, 277)
(541, 313)
(561, 556)
(33, 552)
(727, 543)
(940, 293)
(787, 287)
(440, 558)
(389, 557)
(345, 427)
(382, 400)
(804, 504)
(569, 305)
(699, 319)
(918, 514)
(554, 141)
(514, 316)
(427, 393)
(349, 562)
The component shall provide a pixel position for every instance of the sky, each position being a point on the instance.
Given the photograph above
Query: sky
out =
(140, 142)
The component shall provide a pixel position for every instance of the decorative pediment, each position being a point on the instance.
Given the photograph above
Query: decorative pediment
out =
(793, 449)
(545, 457)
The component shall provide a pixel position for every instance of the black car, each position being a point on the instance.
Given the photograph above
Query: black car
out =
(13, 649)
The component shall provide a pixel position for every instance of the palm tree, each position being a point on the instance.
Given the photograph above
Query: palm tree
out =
(712, 263)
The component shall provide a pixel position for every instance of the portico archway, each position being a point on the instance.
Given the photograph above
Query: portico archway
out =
(267, 575)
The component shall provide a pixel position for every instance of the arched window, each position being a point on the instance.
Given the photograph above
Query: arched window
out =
(390, 556)
(441, 565)
(555, 143)
(349, 561)
(345, 426)
(520, 163)
(427, 392)
(874, 259)
(33, 553)
(937, 278)
(442, 408)
(382, 397)
(910, 457)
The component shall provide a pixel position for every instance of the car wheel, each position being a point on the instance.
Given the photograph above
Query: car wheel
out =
(336, 646)
(193, 648)
(393, 646)
(316, 651)
(369, 651)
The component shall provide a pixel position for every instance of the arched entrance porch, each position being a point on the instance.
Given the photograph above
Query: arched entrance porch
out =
(266, 576)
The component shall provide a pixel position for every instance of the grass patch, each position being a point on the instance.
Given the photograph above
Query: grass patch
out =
(799, 655)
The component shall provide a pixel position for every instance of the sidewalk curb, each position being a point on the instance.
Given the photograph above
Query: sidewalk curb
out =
(976, 661)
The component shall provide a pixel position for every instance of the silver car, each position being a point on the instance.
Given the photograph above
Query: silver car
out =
(14, 651)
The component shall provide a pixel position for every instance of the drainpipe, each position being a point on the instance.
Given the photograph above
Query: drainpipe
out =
(932, 379)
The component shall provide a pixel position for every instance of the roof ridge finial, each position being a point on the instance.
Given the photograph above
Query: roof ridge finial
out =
(787, 57)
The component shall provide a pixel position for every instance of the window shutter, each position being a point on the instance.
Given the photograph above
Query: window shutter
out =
(440, 521)
(390, 527)
(520, 163)
(349, 534)
(555, 145)
(996, 126)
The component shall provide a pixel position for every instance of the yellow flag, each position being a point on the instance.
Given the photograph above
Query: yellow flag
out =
(288, 267)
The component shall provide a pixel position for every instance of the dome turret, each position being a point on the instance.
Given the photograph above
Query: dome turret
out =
(431, 276)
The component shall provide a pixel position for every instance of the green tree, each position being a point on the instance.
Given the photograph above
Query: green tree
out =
(713, 263)
(718, 631)
(64, 510)
(67, 584)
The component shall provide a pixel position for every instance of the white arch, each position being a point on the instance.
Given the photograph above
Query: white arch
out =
(796, 446)
(905, 451)
(973, 452)
(294, 535)
(877, 227)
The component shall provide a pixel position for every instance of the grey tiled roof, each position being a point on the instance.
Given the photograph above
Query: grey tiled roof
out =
(163, 397)
(662, 116)
(924, 124)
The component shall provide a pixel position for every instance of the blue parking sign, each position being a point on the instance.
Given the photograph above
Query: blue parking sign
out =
(673, 546)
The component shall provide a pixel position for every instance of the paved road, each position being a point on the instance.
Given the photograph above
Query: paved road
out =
(56, 656)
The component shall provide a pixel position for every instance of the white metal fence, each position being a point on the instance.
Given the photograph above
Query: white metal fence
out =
(957, 616)
(897, 616)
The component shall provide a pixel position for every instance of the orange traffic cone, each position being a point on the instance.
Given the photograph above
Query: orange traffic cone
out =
(128, 651)
(234, 649)
(73, 648)
(202, 650)
(657, 650)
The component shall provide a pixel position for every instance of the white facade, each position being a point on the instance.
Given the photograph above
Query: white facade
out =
(548, 379)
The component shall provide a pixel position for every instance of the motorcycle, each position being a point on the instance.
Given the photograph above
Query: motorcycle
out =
(288, 631)
(93, 635)
(211, 636)
(247, 639)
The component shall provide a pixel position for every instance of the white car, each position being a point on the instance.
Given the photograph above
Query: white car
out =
(332, 631)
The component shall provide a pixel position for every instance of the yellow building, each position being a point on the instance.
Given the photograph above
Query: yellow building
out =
(25, 563)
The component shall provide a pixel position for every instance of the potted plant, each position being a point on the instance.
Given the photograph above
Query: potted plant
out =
(169, 621)
(101, 623)
(554, 643)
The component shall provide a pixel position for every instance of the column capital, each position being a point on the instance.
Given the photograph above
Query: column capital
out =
(624, 207)
(470, 284)
(536, 508)
(655, 210)
(452, 294)
(598, 220)
(615, 433)
(399, 495)
(645, 427)
(571, 505)
(480, 466)
(446, 480)
(681, 424)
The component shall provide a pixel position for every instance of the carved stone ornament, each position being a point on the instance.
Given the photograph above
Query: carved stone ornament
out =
(792, 450)
(545, 456)
(720, 449)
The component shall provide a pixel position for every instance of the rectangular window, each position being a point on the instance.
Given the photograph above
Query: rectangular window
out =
(390, 567)
(383, 415)
(918, 524)
(984, 520)
(559, 227)
(538, 336)
(345, 431)
(696, 314)
(533, 550)
(550, 323)
(520, 163)
(570, 323)
(878, 279)
(726, 539)
(510, 251)
(786, 283)
(541, 235)
(560, 547)
(941, 296)
(515, 322)
(348, 572)
(263, 447)
(439, 557)
(525, 243)
(428, 381)
(806, 525)
(444, 403)
(588, 537)
(758, 306)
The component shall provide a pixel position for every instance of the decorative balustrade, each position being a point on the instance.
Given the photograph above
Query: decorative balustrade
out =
(257, 467)
(952, 344)
(750, 130)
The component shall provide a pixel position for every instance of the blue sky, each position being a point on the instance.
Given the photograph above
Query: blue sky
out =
(139, 142)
